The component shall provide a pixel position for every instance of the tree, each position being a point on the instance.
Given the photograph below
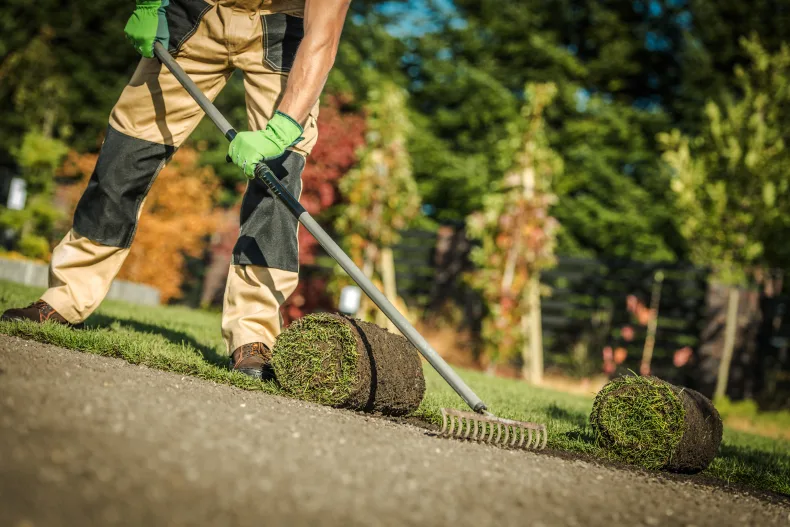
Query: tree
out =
(381, 197)
(30, 79)
(75, 66)
(517, 237)
(612, 200)
(727, 180)
(712, 49)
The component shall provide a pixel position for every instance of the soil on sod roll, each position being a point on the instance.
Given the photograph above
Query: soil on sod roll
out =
(347, 363)
(649, 422)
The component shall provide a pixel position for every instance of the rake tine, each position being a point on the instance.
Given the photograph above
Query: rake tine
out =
(468, 427)
(458, 424)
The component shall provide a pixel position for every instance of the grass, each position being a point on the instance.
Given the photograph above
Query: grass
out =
(189, 342)
(746, 416)
(307, 362)
(638, 421)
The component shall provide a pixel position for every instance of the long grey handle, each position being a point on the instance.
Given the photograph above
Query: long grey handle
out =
(271, 181)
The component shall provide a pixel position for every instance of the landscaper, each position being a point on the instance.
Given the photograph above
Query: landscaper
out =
(285, 48)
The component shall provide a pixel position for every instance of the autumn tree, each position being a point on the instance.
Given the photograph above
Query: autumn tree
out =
(516, 237)
(381, 196)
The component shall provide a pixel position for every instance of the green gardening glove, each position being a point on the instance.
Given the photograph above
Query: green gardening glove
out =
(147, 25)
(250, 148)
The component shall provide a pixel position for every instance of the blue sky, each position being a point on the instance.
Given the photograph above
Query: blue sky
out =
(414, 16)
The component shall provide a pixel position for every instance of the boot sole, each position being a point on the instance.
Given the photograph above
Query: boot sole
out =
(254, 373)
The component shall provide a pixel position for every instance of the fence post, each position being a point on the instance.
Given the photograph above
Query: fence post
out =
(729, 343)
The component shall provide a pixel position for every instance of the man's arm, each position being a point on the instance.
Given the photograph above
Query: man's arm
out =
(323, 20)
(323, 24)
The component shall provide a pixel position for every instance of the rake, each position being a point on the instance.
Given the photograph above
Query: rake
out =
(491, 428)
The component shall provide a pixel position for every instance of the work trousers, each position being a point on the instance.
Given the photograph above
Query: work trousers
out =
(152, 118)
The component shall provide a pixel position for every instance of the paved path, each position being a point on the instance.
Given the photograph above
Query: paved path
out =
(87, 440)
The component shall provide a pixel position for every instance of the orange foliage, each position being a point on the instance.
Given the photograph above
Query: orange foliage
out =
(176, 221)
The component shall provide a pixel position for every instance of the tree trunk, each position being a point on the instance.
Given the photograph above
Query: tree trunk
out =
(729, 343)
(368, 269)
(652, 325)
(388, 277)
(532, 353)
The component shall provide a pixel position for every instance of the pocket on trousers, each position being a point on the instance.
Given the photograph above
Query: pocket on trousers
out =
(183, 19)
(282, 35)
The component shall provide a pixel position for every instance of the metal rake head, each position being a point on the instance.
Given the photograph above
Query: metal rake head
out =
(488, 428)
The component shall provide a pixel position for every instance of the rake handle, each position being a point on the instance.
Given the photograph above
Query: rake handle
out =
(267, 176)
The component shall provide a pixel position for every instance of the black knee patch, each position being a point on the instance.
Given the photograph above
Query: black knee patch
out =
(268, 236)
(125, 171)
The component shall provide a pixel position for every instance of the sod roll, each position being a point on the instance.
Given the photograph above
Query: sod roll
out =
(649, 422)
(347, 363)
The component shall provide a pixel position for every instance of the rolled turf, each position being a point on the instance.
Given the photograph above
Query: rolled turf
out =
(649, 422)
(347, 363)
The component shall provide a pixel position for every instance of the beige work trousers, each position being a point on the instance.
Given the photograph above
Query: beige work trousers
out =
(152, 118)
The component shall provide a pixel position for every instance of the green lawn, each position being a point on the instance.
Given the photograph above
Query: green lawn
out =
(188, 342)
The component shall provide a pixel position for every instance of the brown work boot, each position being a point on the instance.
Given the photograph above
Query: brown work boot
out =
(253, 360)
(38, 311)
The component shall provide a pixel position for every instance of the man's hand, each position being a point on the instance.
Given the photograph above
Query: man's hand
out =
(250, 148)
(148, 25)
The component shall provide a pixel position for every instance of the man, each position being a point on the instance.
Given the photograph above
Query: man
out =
(285, 48)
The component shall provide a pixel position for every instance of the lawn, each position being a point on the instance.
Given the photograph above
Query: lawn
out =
(188, 342)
